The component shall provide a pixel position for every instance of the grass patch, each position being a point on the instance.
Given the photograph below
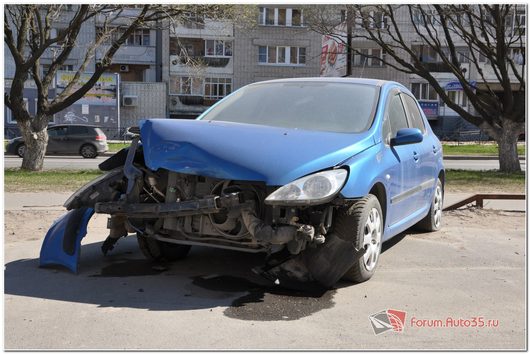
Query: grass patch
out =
(115, 147)
(16, 180)
(476, 149)
(484, 181)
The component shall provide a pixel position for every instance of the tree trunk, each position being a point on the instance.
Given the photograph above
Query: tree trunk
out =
(507, 140)
(36, 141)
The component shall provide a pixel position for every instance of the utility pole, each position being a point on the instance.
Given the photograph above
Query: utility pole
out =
(349, 34)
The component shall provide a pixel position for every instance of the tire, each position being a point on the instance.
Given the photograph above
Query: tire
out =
(433, 220)
(88, 151)
(363, 225)
(161, 251)
(20, 150)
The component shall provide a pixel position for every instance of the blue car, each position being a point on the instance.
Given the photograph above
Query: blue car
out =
(317, 173)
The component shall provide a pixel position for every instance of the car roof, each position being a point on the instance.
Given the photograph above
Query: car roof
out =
(352, 80)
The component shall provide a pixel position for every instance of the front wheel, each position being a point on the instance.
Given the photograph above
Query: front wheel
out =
(363, 225)
(433, 220)
(161, 251)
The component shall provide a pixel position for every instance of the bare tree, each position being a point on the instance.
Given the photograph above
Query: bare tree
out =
(485, 36)
(28, 35)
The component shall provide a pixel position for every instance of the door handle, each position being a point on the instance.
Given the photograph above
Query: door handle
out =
(416, 156)
(434, 150)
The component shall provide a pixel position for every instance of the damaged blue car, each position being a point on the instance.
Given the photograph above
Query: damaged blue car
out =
(317, 173)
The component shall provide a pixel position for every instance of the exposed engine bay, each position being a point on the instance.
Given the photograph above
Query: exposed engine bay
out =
(172, 210)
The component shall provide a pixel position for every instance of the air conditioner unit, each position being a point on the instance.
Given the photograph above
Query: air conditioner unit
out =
(124, 68)
(129, 101)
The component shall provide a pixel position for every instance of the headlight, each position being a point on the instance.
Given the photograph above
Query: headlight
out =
(317, 188)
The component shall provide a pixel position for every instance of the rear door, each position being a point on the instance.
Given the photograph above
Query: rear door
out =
(77, 136)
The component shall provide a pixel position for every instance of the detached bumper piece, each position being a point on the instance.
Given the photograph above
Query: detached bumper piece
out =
(62, 243)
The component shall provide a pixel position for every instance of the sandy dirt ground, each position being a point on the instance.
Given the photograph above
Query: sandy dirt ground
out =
(474, 268)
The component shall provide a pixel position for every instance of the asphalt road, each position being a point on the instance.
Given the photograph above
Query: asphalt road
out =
(473, 268)
(77, 162)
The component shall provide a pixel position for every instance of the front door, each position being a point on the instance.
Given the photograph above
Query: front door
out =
(57, 140)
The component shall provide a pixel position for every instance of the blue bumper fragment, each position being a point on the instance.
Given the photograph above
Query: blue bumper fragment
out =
(62, 243)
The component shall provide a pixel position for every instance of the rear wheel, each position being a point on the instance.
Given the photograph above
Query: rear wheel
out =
(362, 224)
(88, 151)
(161, 251)
(21, 150)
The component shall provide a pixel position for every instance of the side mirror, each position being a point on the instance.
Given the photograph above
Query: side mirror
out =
(407, 136)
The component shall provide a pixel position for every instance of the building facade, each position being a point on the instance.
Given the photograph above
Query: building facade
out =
(117, 100)
(178, 70)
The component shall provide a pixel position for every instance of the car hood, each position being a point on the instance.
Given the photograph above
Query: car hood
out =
(246, 152)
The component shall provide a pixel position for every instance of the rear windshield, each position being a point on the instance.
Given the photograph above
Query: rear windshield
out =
(320, 106)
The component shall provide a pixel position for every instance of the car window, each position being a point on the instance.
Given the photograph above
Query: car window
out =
(58, 131)
(308, 105)
(396, 115)
(414, 113)
(77, 130)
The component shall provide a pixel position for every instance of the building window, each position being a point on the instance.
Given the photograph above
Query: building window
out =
(369, 57)
(425, 53)
(519, 22)
(217, 88)
(218, 48)
(186, 85)
(139, 37)
(372, 19)
(193, 21)
(517, 56)
(462, 55)
(282, 55)
(458, 97)
(425, 17)
(273, 16)
(423, 91)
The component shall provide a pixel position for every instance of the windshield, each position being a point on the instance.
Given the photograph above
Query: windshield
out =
(308, 105)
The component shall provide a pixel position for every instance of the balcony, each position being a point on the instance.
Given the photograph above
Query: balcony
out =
(131, 54)
(181, 65)
(216, 62)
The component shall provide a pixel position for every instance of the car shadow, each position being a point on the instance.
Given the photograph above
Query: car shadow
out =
(206, 279)
(387, 245)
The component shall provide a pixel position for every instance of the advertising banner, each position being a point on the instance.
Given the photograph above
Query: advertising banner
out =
(430, 108)
(333, 55)
(99, 106)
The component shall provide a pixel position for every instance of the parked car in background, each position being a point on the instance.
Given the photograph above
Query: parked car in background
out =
(317, 173)
(68, 139)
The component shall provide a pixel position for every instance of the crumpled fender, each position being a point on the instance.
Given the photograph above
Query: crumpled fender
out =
(62, 243)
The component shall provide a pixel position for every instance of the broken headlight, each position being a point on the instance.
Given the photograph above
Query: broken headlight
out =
(317, 188)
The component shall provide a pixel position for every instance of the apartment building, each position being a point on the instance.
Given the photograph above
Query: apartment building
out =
(131, 89)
